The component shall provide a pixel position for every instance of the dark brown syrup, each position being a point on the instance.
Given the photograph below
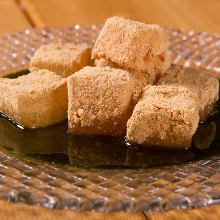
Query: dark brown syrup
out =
(54, 144)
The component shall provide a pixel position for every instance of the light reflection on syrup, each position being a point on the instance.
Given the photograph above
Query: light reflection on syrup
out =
(53, 144)
(51, 139)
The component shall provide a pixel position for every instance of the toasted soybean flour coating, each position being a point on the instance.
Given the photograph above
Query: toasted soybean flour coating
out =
(140, 79)
(62, 58)
(165, 116)
(35, 100)
(132, 45)
(205, 87)
(99, 101)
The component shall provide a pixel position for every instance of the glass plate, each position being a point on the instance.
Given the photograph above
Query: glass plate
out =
(62, 187)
